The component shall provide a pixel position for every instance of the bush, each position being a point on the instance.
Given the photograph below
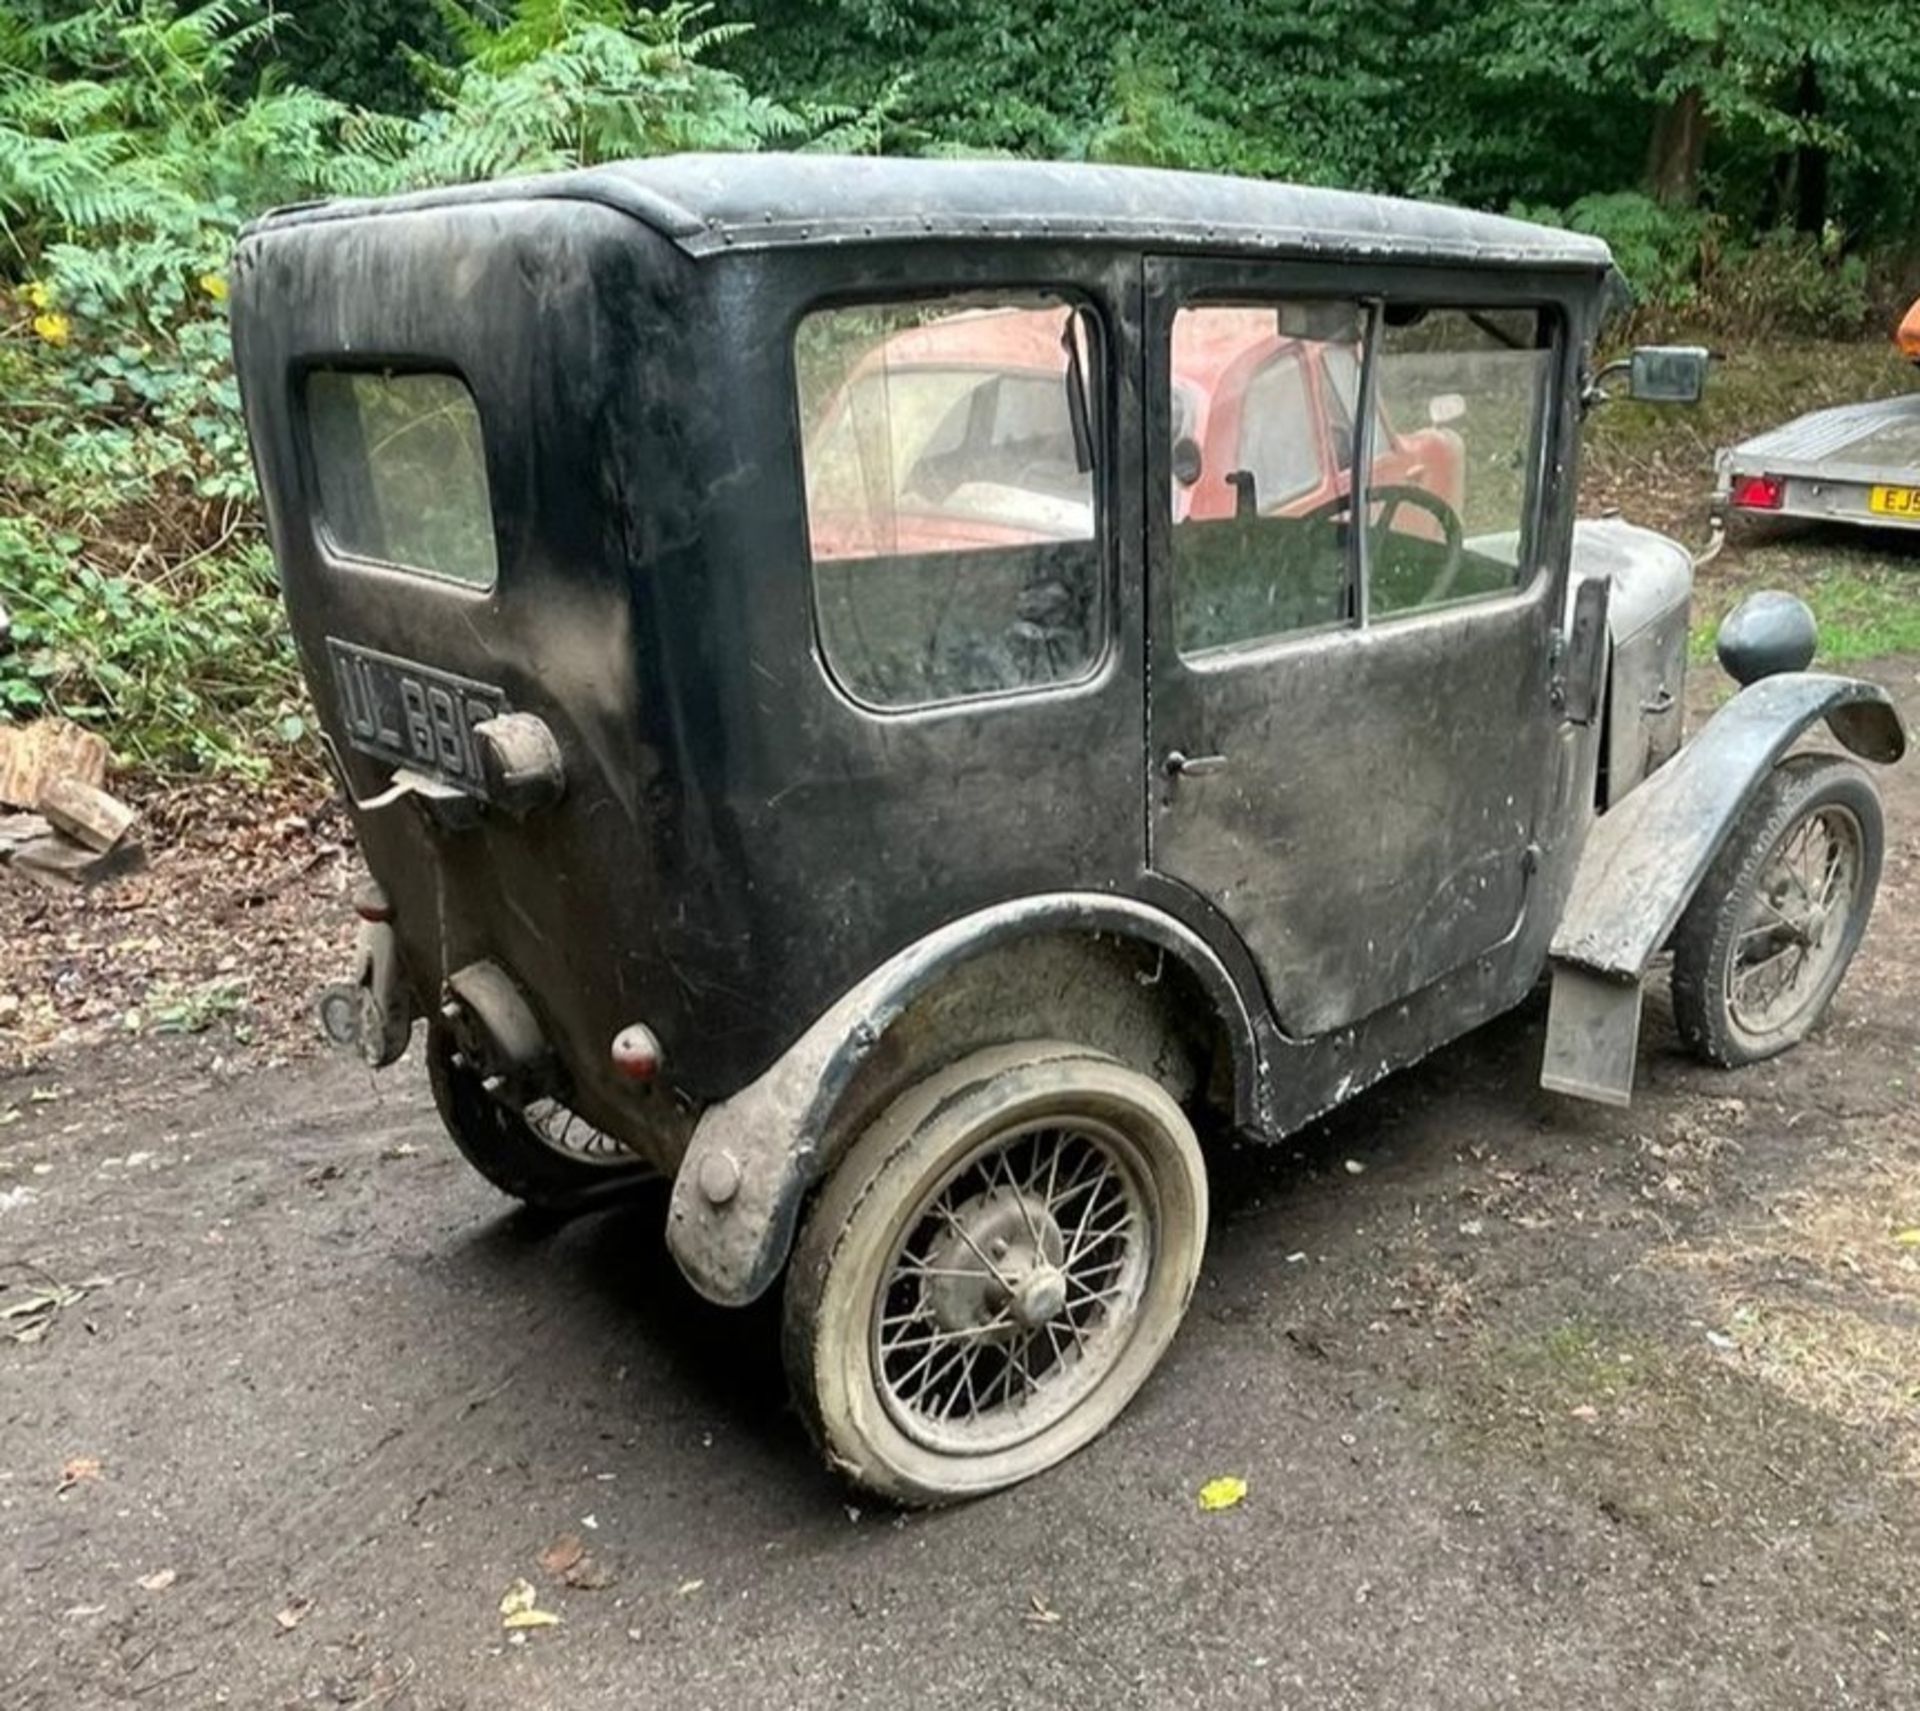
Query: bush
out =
(1684, 270)
(1790, 283)
(189, 668)
(1660, 250)
(131, 149)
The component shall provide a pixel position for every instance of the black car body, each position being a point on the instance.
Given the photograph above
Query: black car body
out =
(720, 839)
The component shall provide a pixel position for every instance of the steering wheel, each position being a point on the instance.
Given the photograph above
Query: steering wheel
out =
(1395, 494)
(1390, 497)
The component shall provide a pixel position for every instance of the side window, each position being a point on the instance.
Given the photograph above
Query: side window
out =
(402, 471)
(1259, 536)
(952, 500)
(1449, 489)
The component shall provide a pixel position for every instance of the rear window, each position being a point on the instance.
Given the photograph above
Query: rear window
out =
(402, 472)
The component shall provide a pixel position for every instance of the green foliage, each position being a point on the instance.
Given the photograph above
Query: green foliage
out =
(359, 51)
(193, 668)
(569, 82)
(1483, 101)
(1739, 157)
(135, 137)
(1683, 260)
(1658, 248)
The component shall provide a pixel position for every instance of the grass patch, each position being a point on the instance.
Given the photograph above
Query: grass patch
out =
(1575, 1365)
(1822, 1300)
(1866, 599)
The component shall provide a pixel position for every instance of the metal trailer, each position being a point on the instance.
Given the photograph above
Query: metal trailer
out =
(1856, 463)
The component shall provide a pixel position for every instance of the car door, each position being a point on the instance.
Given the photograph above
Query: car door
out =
(1352, 732)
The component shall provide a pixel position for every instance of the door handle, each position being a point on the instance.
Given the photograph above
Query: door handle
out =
(1660, 703)
(1180, 765)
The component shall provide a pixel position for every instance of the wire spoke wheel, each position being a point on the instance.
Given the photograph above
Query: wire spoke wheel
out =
(1767, 940)
(993, 1269)
(1805, 895)
(545, 1155)
(1014, 1287)
(570, 1135)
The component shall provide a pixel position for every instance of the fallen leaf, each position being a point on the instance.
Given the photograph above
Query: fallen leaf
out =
(517, 1608)
(294, 1614)
(75, 1470)
(589, 1574)
(1586, 1411)
(1040, 1613)
(159, 1580)
(687, 1586)
(1908, 1239)
(1223, 1493)
(562, 1554)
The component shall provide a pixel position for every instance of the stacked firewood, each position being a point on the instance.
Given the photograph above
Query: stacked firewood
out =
(59, 825)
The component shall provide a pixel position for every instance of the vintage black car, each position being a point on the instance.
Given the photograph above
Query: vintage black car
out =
(868, 687)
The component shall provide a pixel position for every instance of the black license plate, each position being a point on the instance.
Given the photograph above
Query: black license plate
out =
(413, 715)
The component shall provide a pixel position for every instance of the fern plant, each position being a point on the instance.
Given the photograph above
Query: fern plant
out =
(130, 152)
(573, 82)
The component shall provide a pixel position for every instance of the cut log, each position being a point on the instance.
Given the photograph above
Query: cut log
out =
(18, 829)
(48, 748)
(85, 812)
(57, 861)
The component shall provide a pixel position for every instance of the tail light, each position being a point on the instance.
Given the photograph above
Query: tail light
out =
(1759, 492)
(636, 1053)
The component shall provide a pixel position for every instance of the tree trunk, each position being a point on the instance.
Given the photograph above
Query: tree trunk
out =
(1676, 149)
(1810, 177)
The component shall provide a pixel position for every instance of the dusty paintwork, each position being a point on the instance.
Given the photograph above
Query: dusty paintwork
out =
(638, 795)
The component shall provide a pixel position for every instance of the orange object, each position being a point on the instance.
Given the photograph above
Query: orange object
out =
(1908, 338)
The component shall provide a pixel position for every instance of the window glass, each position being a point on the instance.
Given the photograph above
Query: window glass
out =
(1342, 364)
(402, 471)
(951, 495)
(1259, 535)
(1280, 440)
(1464, 392)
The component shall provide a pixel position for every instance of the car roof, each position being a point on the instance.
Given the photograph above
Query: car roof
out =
(709, 203)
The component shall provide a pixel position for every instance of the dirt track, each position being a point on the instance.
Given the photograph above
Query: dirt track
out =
(1547, 1405)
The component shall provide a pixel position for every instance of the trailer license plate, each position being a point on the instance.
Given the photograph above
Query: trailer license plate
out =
(412, 715)
(1895, 501)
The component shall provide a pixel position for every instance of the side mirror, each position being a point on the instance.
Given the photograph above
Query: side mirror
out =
(1667, 374)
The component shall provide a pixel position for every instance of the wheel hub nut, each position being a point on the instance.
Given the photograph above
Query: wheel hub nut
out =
(1040, 1295)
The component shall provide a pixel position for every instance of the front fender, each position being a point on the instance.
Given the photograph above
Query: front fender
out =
(1646, 856)
(737, 1195)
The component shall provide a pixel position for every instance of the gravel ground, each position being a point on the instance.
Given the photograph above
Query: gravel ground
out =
(1541, 1405)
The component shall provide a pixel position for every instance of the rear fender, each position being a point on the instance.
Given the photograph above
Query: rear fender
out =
(738, 1193)
(1645, 859)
